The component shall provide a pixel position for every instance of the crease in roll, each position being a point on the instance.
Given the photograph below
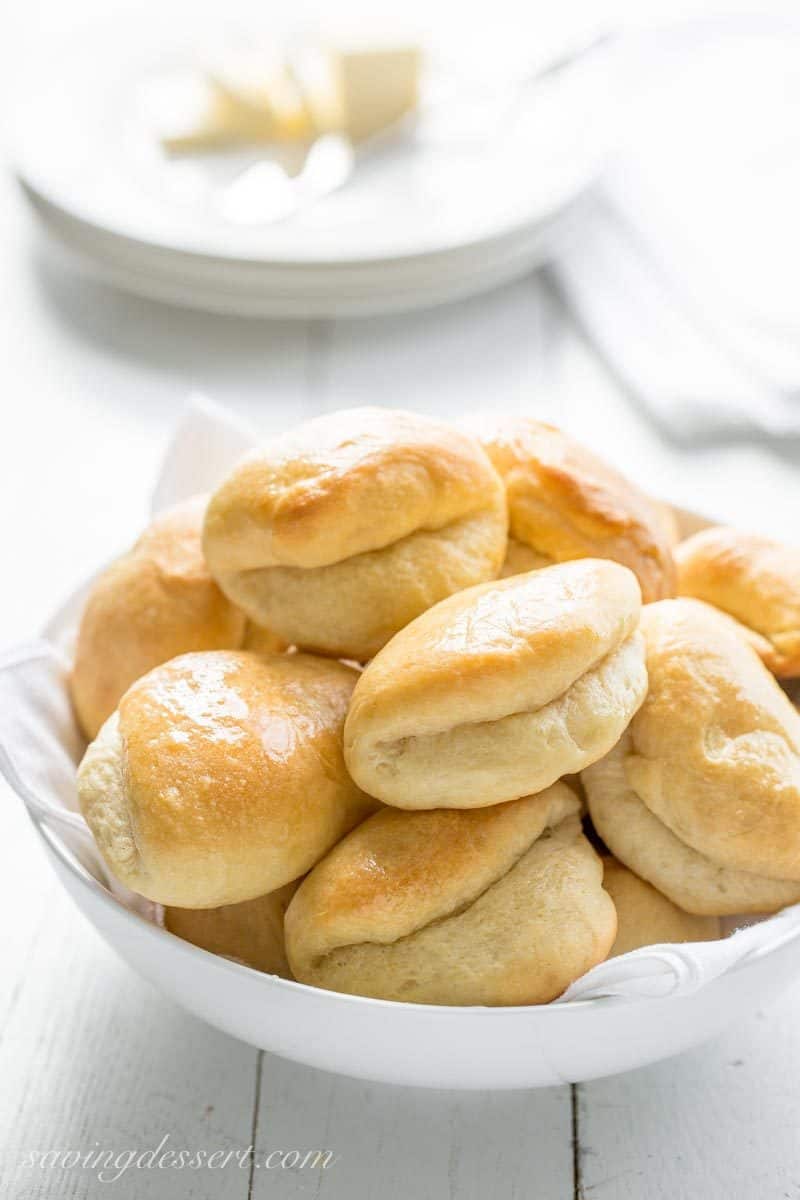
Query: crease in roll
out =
(701, 797)
(339, 533)
(495, 906)
(499, 691)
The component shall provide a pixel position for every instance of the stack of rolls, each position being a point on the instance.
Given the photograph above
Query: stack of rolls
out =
(376, 714)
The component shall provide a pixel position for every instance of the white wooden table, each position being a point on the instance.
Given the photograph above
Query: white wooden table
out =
(92, 1058)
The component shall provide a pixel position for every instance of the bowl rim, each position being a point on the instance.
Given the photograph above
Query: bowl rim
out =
(92, 885)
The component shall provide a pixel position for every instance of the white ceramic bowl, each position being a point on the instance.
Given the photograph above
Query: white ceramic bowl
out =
(417, 1044)
(422, 1045)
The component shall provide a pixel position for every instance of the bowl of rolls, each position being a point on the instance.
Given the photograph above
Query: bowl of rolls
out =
(404, 730)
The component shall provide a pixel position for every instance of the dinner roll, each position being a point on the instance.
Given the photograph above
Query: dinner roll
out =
(499, 691)
(503, 905)
(220, 777)
(564, 503)
(702, 798)
(753, 579)
(249, 933)
(692, 881)
(717, 743)
(646, 918)
(157, 601)
(340, 532)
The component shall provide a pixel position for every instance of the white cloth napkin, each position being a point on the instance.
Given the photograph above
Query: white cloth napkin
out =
(685, 271)
(40, 747)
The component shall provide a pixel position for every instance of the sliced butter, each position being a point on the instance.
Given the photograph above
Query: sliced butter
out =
(260, 101)
(376, 87)
(263, 100)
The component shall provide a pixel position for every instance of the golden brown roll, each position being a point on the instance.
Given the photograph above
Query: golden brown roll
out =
(646, 918)
(564, 503)
(692, 881)
(499, 691)
(157, 601)
(754, 580)
(249, 933)
(702, 796)
(339, 533)
(503, 905)
(220, 777)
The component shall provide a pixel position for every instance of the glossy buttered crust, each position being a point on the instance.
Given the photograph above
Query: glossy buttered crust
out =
(564, 503)
(249, 933)
(499, 691)
(691, 880)
(753, 579)
(342, 531)
(645, 917)
(498, 906)
(221, 777)
(155, 602)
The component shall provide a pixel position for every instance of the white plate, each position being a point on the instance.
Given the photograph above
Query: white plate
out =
(286, 290)
(87, 156)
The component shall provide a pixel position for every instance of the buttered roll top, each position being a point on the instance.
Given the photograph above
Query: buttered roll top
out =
(499, 691)
(564, 503)
(340, 532)
(221, 776)
(753, 579)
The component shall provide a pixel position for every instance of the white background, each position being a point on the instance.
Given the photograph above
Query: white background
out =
(90, 384)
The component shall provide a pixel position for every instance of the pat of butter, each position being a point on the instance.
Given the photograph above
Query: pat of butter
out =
(260, 100)
(375, 87)
(182, 109)
(237, 102)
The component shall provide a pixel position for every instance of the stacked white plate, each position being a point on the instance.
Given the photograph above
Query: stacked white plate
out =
(460, 208)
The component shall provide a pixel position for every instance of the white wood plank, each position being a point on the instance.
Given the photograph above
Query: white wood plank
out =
(404, 1143)
(28, 892)
(483, 352)
(91, 1057)
(718, 1122)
